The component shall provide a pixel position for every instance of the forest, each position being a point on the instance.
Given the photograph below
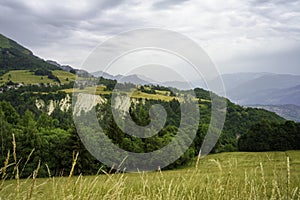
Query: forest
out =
(53, 139)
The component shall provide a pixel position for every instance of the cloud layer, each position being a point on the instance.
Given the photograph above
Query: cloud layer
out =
(251, 35)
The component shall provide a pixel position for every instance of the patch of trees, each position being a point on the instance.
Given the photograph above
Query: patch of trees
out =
(268, 136)
(110, 84)
(42, 87)
(52, 140)
(48, 73)
(163, 88)
(149, 90)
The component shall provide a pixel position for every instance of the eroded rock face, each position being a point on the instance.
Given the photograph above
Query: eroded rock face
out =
(85, 102)
(122, 103)
(63, 104)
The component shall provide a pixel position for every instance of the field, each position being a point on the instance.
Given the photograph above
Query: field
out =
(27, 77)
(136, 94)
(240, 175)
(64, 76)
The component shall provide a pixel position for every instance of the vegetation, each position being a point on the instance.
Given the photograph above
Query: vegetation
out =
(273, 175)
(44, 141)
(54, 137)
(13, 56)
(38, 77)
(266, 136)
(64, 76)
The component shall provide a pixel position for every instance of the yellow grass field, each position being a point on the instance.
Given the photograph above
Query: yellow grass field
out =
(239, 175)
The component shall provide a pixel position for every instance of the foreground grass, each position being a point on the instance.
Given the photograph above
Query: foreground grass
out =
(267, 175)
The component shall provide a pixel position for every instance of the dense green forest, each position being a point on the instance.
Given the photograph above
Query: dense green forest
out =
(54, 138)
(267, 136)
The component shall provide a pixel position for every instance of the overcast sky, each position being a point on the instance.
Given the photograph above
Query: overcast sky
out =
(239, 36)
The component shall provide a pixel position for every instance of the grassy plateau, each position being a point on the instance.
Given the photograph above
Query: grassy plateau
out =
(239, 175)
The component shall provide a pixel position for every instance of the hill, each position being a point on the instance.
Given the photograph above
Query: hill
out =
(135, 79)
(262, 88)
(27, 77)
(19, 65)
(289, 111)
(16, 57)
(145, 80)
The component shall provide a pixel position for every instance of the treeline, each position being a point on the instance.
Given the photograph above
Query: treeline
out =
(55, 138)
(51, 139)
(48, 73)
(268, 136)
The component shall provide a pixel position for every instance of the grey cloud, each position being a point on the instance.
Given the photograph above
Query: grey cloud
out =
(71, 29)
(262, 2)
(286, 62)
(59, 15)
(32, 27)
(166, 4)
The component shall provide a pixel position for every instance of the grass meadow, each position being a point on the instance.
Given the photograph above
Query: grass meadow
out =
(238, 175)
(27, 77)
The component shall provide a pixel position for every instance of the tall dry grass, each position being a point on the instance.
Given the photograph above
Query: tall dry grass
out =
(219, 176)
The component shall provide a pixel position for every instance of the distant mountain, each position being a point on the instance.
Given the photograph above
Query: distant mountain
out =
(135, 79)
(144, 80)
(177, 84)
(103, 74)
(289, 111)
(286, 96)
(232, 81)
(262, 88)
(68, 68)
(14, 56)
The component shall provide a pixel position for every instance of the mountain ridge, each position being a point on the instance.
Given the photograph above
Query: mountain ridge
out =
(14, 56)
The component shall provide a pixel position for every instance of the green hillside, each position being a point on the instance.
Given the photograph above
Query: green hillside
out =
(16, 57)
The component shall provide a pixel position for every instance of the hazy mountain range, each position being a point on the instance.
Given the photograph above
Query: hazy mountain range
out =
(263, 88)
(290, 112)
(144, 80)
(279, 93)
(242, 88)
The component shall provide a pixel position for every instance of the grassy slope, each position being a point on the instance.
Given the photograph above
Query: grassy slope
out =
(237, 175)
(64, 76)
(13, 56)
(136, 94)
(4, 42)
(27, 77)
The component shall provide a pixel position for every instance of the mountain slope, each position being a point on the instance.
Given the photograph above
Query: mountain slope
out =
(262, 88)
(144, 80)
(289, 111)
(135, 79)
(16, 57)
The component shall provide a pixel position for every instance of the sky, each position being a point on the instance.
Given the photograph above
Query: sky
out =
(238, 36)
